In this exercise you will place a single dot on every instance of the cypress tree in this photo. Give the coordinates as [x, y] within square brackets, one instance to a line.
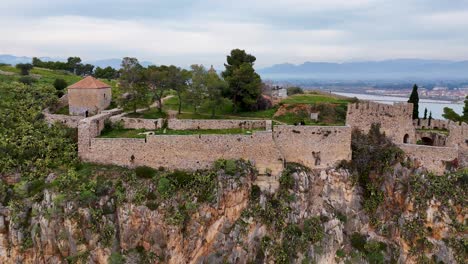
[425, 113]
[414, 99]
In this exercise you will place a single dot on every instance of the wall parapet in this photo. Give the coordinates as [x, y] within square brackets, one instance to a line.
[67, 120]
[395, 120]
[137, 123]
[189, 152]
[314, 146]
[434, 159]
[194, 124]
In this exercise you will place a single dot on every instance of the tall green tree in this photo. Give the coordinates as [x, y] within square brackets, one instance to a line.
[178, 80]
[214, 91]
[106, 73]
[430, 118]
[425, 113]
[450, 114]
[414, 99]
[197, 88]
[157, 78]
[132, 84]
[244, 84]
[24, 68]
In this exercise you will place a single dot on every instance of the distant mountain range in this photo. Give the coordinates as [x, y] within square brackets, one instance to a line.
[114, 63]
[399, 69]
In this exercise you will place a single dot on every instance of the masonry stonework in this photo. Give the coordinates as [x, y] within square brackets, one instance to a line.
[435, 159]
[314, 146]
[68, 121]
[395, 120]
[189, 152]
[194, 124]
[92, 101]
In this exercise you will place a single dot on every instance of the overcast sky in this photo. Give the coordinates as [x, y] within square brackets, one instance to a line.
[184, 32]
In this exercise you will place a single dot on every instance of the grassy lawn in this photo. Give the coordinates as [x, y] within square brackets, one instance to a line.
[46, 76]
[152, 113]
[135, 133]
[312, 98]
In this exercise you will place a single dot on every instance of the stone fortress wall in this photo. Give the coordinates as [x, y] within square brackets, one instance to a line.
[312, 146]
[319, 147]
[396, 121]
[189, 124]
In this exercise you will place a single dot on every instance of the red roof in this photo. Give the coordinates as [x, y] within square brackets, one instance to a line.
[89, 83]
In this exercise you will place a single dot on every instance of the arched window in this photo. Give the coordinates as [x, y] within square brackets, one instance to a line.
[406, 139]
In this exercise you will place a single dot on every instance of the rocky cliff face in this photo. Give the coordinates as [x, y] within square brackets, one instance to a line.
[223, 217]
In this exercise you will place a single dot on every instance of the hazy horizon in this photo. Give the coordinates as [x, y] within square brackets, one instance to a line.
[186, 32]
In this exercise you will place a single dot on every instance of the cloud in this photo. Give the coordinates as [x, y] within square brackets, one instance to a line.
[185, 32]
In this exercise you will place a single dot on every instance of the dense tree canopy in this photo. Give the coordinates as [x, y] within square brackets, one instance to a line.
[244, 84]
[450, 114]
[28, 145]
[157, 79]
[106, 73]
[132, 83]
[24, 68]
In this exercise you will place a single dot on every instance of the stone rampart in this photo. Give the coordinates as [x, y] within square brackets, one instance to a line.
[194, 124]
[69, 121]
[189, 152]
[89, 128]
[395, 120]
[458, 136]
[314, 146]
[137, 123]
[435, 124]
[434, 159]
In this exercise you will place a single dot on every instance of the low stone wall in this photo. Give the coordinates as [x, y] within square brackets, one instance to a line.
[188, 152]
[314, 146]
[89, 128]
[69, 121]
[193, 124]
[433, 159]
[137, 123]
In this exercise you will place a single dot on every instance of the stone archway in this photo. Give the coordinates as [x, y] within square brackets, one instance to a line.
[427, 141]
[406, 139]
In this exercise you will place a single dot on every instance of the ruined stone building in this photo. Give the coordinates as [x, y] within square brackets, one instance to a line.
[88, 97]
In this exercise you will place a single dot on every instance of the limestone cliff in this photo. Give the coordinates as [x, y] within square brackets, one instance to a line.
[221, 216]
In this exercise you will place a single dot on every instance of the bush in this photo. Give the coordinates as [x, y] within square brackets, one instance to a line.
[358, 241]
[313, 230]
[165, 187]
[145, 172]
[116, 258]
[180, 178]
[60, 84]
[27, 80]
[255, 193]
[229, 166]
[294, 90]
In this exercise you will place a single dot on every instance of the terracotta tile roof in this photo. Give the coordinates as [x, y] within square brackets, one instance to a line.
[89, 83]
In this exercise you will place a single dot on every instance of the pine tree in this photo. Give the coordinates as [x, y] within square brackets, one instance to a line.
[425, 113]
[414, 99]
